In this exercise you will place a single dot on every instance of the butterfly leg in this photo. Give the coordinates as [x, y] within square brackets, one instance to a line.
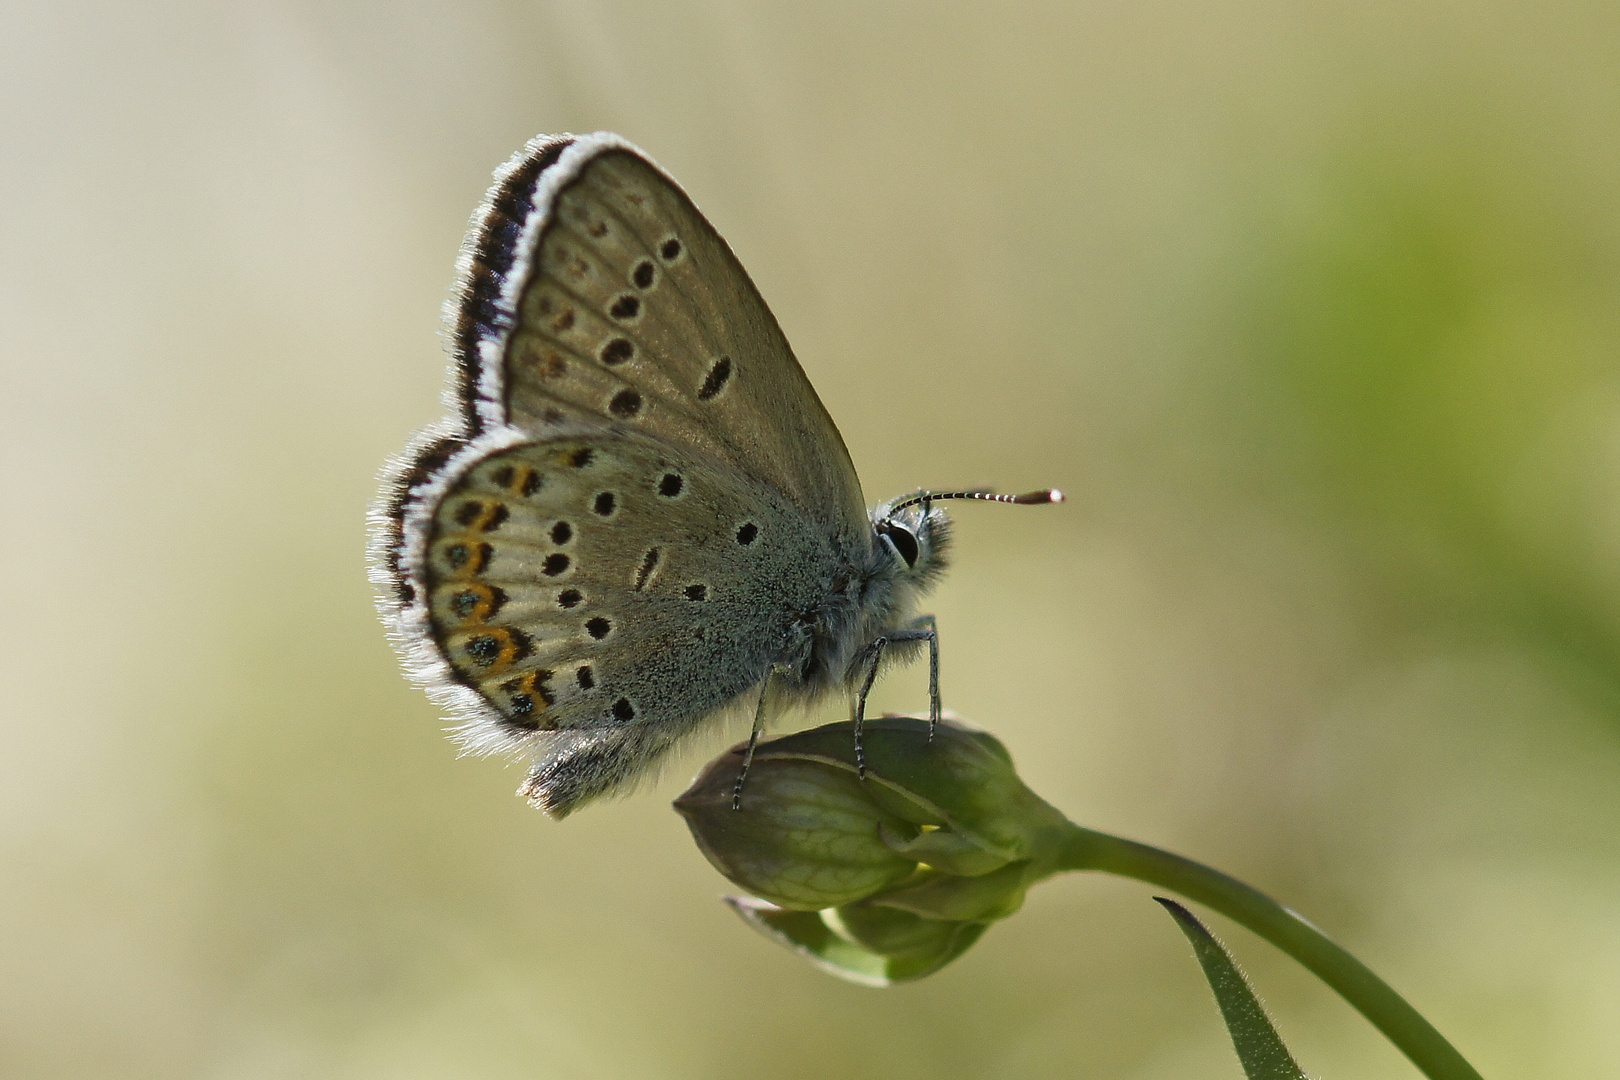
[753, 736]
[923, 629]
[873, 655]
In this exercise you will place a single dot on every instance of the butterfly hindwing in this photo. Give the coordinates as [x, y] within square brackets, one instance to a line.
[594, 584]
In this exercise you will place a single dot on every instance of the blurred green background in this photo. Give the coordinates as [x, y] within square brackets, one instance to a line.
[1311, 308]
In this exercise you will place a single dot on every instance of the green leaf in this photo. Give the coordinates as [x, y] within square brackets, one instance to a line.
[1259, 1047]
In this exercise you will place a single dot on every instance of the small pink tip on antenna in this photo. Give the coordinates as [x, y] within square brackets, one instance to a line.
[1036, 498]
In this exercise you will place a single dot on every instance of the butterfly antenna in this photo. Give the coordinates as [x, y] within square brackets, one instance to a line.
[1028, 498]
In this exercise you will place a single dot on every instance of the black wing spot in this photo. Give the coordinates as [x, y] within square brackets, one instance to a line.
[625, 404]
[697, 592]
[670, 250]
[555, 564]
[484, 649]
[625, 307]
[584, 676]
[598, 627]
[717, 378]
[569, 598]
[562, 532]
[747, 534]
[503, 476]
[531, 482]
[648, 564]
[617, 351]
[623, 711]
[671, 485]
[642, 275]
[581, 457]
[605, 503]
[522, 644]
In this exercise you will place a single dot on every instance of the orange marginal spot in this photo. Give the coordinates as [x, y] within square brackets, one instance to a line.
[481, 515]
[493, 649]
[571, 454]
[518, 479]
[466, 558]
[528, 698]
[473, 602]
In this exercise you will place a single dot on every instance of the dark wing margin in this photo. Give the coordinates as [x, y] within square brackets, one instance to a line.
[428, 453]
[480, 309]
[475, 313]
[479, 315]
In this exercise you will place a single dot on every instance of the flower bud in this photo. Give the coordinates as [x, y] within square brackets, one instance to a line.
[881, 878]
[807, 837]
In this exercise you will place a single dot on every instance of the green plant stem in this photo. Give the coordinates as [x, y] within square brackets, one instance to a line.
[1085, 849]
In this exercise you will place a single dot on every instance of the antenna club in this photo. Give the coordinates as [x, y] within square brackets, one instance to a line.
[1036, 498]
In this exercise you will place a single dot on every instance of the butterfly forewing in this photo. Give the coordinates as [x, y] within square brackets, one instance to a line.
[636, 312]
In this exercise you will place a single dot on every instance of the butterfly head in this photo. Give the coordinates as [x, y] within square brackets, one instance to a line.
[915, 532]
[915, 536]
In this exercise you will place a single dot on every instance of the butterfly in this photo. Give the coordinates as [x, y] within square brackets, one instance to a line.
[638, 513]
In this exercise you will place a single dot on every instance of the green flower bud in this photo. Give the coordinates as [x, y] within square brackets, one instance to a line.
[883, 878]
[807, 837]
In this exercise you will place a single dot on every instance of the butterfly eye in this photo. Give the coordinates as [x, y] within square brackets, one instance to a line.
[902, 540]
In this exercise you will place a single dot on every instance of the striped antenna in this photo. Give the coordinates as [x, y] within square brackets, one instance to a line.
[1028, 498]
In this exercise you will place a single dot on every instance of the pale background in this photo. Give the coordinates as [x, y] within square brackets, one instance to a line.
[1311, 307]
